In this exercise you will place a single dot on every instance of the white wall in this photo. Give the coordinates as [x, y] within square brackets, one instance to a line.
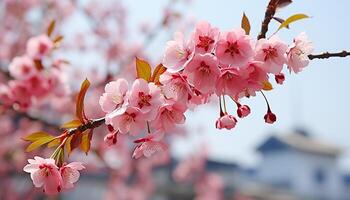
[299, 168]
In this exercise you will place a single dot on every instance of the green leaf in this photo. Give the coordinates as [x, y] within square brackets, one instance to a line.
[36, 136]
[79, 111]
[159, 70]
[51, 28]
[292, 19]
[245, 24]
[39, 143]
[143, 69]
[71, 124]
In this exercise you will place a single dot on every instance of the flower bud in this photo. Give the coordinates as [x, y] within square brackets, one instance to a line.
[243, 111]
[279, 78]
[270, 117]
[227, 121]
[111, 139]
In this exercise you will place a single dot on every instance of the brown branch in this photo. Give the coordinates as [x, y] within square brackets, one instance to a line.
[326, 55]
[269, 13]
[91, 124]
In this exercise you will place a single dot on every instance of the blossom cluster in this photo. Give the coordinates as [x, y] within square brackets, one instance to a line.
[31, 81]
[227, 64]
[46, 174]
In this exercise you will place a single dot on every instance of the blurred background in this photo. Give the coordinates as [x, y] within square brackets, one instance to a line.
[304, 155]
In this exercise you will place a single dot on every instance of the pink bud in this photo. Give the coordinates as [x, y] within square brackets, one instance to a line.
[227, 121]
[270, 117]
[279, 78]
[243, 111]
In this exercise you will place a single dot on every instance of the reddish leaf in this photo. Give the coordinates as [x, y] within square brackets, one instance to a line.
[245, 24]
[51, 28]
[76, 141]
[38, 65]
[58, 40]
[283, 3]
[143, 69]
[159, 70]
[80, 101]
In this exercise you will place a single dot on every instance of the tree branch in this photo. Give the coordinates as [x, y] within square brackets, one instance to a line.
[91, 124]
[326, 55]
[269, 13]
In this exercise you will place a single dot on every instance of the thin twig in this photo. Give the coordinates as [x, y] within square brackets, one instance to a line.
[326, 55]
[269, 13]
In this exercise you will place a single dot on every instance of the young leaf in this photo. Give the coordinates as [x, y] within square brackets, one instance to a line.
[159, 70]
[79, 111]
[51, 28]
[267, 86]
[58, 40]
[292, 19]
[36, 136]
[245, 24]
[72, 124]
[68, 145]
[86, 141]
[280, 20]
[54, 143]
[39, 143]
[143, 69]
[76, 141]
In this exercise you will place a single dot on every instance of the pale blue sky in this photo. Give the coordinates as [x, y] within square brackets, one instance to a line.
[317, 98]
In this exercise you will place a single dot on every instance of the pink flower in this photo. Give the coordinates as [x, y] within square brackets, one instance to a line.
[205, 37]
[70, 174]
[38, 85]
[177, 53]
[272, 53]
[202, 72]
[234, 47]
[254, 76]
[270, 117]
[176, 87]
[44, 173]
[127, 120]
[226, 121]
[146, 97]
[22, 67]
[20, 94]
[114, 95]
[279, 78]
[298, 52]
[6, 97]
[243, 111]
[111, 138]
[230, 82]
[149, 145]
[38, 47]
[169, 115]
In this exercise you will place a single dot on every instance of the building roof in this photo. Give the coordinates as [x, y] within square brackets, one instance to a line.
[299, 141]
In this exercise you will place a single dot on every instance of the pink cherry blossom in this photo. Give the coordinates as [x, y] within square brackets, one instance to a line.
[22, 67]
[298, 52]
[243, 111]
[127, 120]
[44, 173]
[205, 37]
[38, 85]
[169, 115]
[202, 72]
[20, 94]
[146, 97]
[226, 121]
[149, 145]
[114, 95]
[176, 87]
[230, 82]
[112, 137]
[177, 53]
[38, 47]
[70, 174]
[272, 53]
[254, 76]
[6, 97]
[234, 48]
